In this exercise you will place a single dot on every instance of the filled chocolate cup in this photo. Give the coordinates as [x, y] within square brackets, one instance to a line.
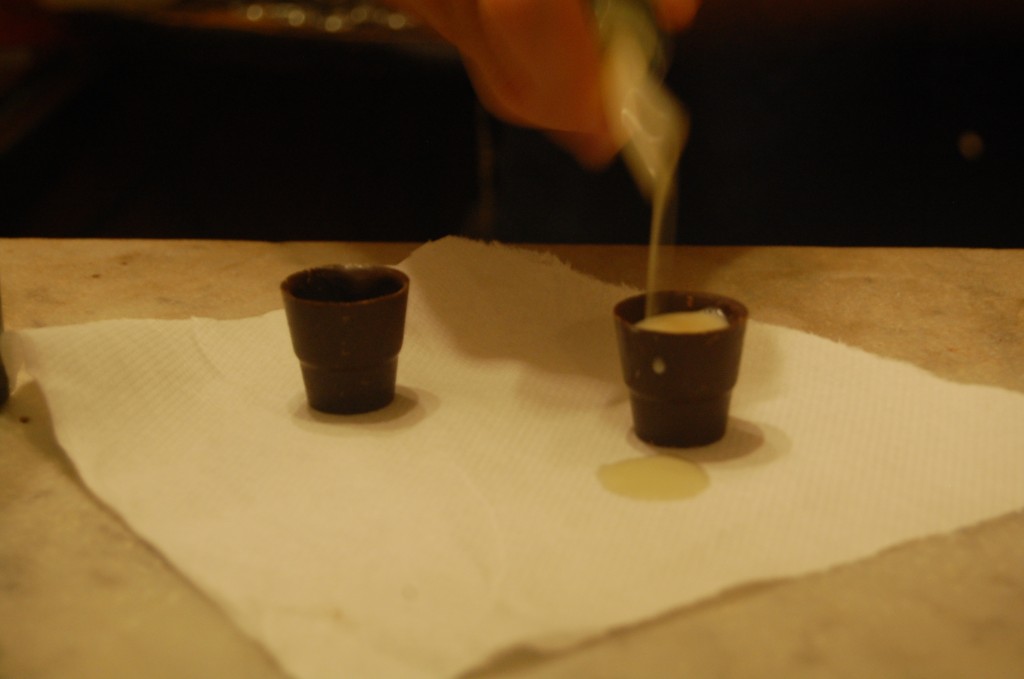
[680, 383]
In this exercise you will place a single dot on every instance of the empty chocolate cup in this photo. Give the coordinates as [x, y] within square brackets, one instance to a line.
[347, 323]
[680, 383]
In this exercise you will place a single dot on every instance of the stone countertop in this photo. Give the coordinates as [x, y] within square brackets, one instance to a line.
[81, 596]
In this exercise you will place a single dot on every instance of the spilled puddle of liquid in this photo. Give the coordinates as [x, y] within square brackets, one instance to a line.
[656, 477]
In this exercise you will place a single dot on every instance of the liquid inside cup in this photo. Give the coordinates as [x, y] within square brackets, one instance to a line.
[708, 319]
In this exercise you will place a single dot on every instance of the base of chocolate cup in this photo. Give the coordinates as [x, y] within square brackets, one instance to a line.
[350, 392]
[680, 424]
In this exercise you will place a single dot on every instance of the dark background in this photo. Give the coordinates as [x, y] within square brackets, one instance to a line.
[840, 125]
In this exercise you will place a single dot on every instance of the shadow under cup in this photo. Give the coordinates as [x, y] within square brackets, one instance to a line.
[680, 383]
[347, 323]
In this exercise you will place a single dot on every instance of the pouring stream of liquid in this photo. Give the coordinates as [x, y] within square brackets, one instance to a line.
[663, 232]
[650, 123]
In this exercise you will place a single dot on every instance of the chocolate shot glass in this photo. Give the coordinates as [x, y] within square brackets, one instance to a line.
[347, 323]
[680, 378]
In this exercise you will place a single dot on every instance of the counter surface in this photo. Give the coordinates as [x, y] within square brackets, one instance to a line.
[82, 596]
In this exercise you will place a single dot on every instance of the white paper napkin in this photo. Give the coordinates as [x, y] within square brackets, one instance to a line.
[468, 517]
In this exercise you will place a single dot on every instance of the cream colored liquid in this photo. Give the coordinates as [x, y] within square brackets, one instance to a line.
[663, 228]
[674, 130]
[682, 322]
[651, 124]
[659, 208]
[658, 477]
[653, 128]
